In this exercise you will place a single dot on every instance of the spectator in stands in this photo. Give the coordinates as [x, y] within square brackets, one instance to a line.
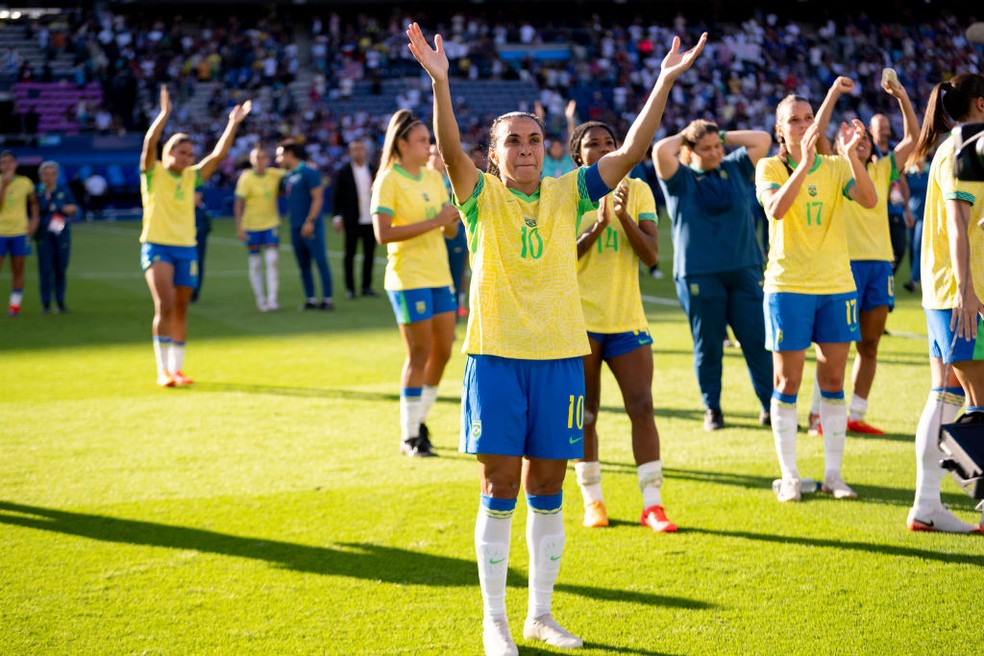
[305, 197]
[53, 236]
[350, 200]
[258, 225]
[168, 255]
[717, 264]
[16, 200]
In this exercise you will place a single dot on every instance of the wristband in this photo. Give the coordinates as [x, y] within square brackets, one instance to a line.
[721, 134]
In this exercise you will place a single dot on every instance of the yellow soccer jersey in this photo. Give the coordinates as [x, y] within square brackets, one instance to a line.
[13, 214]
[421, 262]
[867, 230]
[938, 280]
[169, 205]
[259, 195]
[808, 247]
[525, 302]
[608, 274]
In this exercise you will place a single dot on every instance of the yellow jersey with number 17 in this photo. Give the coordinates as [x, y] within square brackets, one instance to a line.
[939, 282]
[524, 296]
[868, 237]
[808, 246]
[420, 262]
[169, 205]
[259, 195]
[13, 212]
[608, 274]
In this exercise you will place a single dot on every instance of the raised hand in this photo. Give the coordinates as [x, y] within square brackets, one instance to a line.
[165, 101]
[808, 144]
[239, 112]
[570, 109]
[434, 60]
[676, 63]
[842, 85]
[851, 136]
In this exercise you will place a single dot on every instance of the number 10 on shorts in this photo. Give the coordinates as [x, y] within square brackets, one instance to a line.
[575, 412]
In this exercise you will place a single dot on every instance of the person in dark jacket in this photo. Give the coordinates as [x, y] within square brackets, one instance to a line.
[353, 189]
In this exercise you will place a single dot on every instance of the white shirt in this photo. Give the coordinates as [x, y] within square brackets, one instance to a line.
[363, 185]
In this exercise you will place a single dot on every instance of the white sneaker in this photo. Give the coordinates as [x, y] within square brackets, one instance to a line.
[272, 306]
[789, 490]
[262, 307]
[938, 519]
[546, 629]
[496, 638]
[837, 487]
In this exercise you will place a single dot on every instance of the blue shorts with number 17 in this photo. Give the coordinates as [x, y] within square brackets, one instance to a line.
[513, 407]
[793, 321]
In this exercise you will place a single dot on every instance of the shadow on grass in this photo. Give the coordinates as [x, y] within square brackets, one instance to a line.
[372, 562]
[886, 549]
[528, 650]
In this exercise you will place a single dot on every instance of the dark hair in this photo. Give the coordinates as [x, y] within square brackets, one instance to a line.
[574, 144]
[949, 103]
[296, 149]
[8, 153]
[492, 167]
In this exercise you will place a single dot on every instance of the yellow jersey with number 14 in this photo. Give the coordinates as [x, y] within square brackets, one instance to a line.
[608, 274]
[169, 205]
[939, 283]
[808, 246]
[524, 297]
[420, 262]
[259, 195]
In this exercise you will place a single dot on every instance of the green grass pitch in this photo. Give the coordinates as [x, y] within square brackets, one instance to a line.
[266, 509]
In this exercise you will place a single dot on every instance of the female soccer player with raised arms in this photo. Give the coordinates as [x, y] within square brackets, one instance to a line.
[809, 290]
[523, 396]
[952, 261]
[609, 250]
[168, 256]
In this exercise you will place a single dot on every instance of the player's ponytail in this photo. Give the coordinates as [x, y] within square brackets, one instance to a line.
[949, 103]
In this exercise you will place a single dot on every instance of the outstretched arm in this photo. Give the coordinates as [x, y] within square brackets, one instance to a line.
[615, 165]
[148, 155]
[461, 170]
[840, 86]
[910, 123]
[211, 162]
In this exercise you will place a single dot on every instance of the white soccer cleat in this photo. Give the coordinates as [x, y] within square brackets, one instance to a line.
[545, 629]
[838, 488]
[938, 519]
[496, 638]
[790, 489]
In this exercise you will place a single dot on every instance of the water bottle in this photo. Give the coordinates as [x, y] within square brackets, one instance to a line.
[807, 486]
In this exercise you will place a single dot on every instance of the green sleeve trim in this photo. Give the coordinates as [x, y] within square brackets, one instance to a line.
[582, 184]
[149, 177]
[649, 216]
[469, 212]
[961, 195]
[381, 210]
[199, 182]
[895, 176]
[847, 189]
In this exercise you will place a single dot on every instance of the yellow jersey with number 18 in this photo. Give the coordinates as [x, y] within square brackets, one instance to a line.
[524, 297]
[13, 212]
[259, 195]
[939, 283]
[808, 246]
[868, 237]
[169, 205]
[420, 262]
[608, 274]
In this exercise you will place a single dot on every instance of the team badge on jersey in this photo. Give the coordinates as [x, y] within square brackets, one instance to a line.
[426, 197]
[530, 222]
[812, 189]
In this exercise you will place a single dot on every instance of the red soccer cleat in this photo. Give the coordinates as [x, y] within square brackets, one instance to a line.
[180, 380]
[858, 426]
[655, 518]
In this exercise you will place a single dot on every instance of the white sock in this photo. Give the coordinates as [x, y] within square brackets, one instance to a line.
[650, 482]
[858, 408]
[16, 296]
[256, 277]
[545, 541]
[161, 347]
[784, 433]
[428, 395]
[833, 418]
[492, 529]
[410, 414]
[815, 403]
[272, 257]
[589, 480]
[941, 408]
[176, 357]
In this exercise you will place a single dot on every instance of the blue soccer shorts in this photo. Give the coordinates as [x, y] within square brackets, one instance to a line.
[413, 305]
[184, 259]
[793, 321]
